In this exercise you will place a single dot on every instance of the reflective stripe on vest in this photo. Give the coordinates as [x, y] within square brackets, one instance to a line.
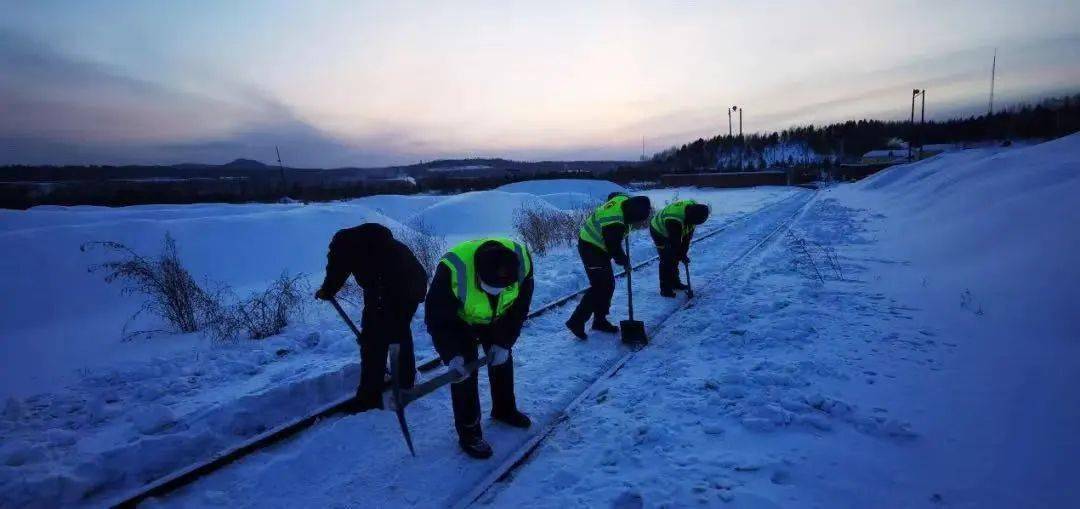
[608, 213]
[675, 212]
[464, 283]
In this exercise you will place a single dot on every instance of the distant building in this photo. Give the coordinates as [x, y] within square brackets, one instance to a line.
[884, 156]
[900, 155]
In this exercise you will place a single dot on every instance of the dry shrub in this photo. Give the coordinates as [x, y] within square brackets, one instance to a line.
[542, 228]
[266, 313]
[423, 241]
[169, 290]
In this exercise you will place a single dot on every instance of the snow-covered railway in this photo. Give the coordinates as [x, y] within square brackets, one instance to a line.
[192, 473]
[554, 369]
[521, 455]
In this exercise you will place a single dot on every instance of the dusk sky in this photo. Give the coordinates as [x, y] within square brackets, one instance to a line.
[370, 83]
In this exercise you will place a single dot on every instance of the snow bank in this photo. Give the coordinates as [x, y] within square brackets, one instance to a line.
[998, 223]
[479, 212]
[595, 189]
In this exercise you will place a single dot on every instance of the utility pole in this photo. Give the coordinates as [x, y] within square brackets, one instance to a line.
[729, 122]
[922, 125]
[993, 72]
[742, 142]
[911, 123]
[642, 148]
[281, 168]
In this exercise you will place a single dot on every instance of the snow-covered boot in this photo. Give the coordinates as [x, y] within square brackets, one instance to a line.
[475, 446]
[577, 328]
[514, 418]
[602, 324]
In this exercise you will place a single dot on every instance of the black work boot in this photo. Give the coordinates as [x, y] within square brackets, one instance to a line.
[577, 327]
[679, 285]
[476, 447]
[472, 442]
[514, 418]
[667, 292]
[601, 323]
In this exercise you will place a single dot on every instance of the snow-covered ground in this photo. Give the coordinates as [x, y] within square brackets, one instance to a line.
[86, 415]
[939, 370]
[906, 341]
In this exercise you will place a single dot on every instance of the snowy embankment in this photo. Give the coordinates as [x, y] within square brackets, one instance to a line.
[937, 367]
[86, 415]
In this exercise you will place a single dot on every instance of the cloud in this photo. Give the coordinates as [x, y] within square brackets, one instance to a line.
[57, 109]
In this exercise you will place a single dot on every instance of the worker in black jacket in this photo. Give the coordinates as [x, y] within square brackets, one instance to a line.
[480, 294]
[394, 283]
[672, 229]
[600, 240]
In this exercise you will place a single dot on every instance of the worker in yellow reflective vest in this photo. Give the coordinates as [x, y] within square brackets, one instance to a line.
[480, 294]
[672, 229]
[600, 241]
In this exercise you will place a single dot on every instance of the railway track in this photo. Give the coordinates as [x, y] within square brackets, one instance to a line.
[522, 454]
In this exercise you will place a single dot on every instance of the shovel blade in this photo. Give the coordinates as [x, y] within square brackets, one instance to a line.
[633, 332]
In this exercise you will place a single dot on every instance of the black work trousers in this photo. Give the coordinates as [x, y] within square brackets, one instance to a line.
[597, 299]
[383, 325]
[669, 262]
[465, 395]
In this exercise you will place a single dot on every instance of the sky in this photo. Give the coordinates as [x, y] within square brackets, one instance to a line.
[356, 83]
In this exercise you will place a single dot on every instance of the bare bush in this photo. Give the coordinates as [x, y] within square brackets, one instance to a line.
[171, 293]
[351, 293]
[424, 242]
[266, 313]
[261, 314]
[169, 290]
[542, 228]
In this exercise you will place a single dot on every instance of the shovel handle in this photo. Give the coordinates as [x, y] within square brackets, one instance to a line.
[629, 276]
[344, 316]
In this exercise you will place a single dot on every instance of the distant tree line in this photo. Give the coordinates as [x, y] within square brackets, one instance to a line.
[812, 146]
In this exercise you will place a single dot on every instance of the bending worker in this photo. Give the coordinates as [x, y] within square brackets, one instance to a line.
[481, 293]
[393, 282]
[672, 229]
[600, 241]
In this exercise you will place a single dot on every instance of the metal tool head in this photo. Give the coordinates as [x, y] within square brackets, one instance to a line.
[633, 332]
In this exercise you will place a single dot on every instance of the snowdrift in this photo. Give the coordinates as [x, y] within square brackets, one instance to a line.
[999, 223]
[594, 189]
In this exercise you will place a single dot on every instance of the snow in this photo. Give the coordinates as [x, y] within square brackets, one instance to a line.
[140, 408]
[909, 340]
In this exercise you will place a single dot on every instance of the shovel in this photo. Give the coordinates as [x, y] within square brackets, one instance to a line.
[402, 397]
[689, 289]
[633, 331]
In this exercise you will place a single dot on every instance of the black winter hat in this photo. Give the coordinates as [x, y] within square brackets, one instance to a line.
[373, 233]
[496, 265]
[697, 213]
[636, 209]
